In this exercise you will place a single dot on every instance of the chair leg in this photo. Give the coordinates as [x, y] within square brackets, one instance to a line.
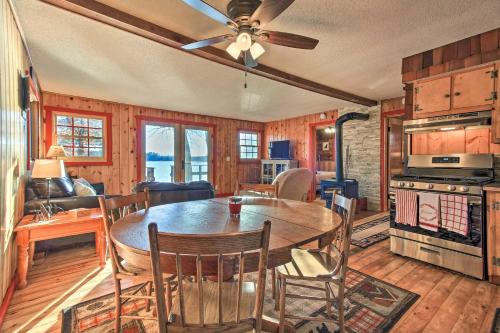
[277, 282]
[328, 303]
[282, 304]
[118, 306]
[149, 288]
[340, 302]
[168, 296]
[273, 285]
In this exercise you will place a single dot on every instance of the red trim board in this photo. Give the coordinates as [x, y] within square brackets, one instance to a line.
[6, 300]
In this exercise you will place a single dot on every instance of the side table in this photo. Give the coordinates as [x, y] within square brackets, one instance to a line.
[63, 224]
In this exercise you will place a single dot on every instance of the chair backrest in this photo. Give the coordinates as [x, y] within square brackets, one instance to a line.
[346, 209]
[294, 184]
[115, 208]
[234, 246]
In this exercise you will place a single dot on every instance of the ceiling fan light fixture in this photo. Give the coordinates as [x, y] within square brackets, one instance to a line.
[234, 50]
[256, 50]
[244, 41]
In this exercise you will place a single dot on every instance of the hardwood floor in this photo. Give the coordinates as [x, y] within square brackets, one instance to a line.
[449, 302]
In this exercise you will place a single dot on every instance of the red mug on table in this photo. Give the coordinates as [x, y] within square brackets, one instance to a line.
[235, 205]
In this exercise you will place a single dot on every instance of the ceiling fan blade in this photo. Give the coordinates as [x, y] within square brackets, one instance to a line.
[269, 10]
[210, 11]
[206, 42]
[288, 39]
[249, 60]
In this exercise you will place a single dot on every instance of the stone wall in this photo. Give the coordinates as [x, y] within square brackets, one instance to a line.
[363, 140]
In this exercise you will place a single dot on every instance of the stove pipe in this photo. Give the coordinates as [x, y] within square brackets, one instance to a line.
[338, 141]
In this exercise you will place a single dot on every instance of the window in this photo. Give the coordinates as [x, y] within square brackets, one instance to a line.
[249, 145]
[84, 136]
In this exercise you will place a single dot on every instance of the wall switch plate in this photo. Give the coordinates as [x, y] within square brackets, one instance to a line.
[228, 158]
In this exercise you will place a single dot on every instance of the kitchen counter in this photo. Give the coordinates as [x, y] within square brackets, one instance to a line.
[494, 187]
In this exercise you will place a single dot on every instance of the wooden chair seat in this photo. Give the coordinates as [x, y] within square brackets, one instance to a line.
[310, 265]
[229, 290]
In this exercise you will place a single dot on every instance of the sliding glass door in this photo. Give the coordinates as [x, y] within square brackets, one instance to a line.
[175, 153]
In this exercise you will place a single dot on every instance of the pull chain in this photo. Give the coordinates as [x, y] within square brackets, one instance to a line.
[246, 73]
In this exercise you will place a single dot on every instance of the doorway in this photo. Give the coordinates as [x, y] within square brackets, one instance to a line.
[392, 152]
[172, 152]
[394, 147]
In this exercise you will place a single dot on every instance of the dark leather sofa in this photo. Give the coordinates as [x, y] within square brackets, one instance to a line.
[62, 194]
[164, 193]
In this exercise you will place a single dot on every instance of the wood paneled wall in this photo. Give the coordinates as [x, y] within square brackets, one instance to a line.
[13, 62]
[297, 131]
[475, 50]
[120, 177]
[472, 141]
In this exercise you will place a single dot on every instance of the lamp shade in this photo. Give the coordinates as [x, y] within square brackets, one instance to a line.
[48, 169]
[56, 151]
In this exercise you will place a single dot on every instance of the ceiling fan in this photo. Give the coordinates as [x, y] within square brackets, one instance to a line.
[247, 18]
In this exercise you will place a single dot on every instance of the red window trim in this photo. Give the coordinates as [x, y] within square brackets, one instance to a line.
[49, 127]
[140, 120]
[259, 146]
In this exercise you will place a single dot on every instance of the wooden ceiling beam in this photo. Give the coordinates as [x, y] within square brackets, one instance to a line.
[124, 21]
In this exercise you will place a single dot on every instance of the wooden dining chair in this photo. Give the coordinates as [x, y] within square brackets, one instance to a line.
[112, 210]
[327, 266]
[264, 190]
[209, 306]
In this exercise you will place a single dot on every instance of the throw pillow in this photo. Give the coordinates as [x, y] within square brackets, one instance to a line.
[82, 190]
[82, 181]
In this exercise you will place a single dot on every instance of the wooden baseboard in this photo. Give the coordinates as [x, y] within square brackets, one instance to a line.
[6, 300]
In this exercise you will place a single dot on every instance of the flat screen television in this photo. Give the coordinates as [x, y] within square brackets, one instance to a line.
[280, 150]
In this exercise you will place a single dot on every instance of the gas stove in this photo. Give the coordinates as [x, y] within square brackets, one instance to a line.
[459, 174]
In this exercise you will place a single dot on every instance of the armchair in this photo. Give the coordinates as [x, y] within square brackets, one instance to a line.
[293, 184]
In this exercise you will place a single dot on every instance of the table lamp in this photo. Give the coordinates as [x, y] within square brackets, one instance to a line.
[48, 169]
[56, 151]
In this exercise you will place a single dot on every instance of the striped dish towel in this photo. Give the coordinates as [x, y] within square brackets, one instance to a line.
[454, 213]
[428, 211]
[406, 207]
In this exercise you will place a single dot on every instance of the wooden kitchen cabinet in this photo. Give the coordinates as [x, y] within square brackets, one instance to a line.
[495, 122]
[432, 96]
[493, 234]
[462, 91]
[473, 88]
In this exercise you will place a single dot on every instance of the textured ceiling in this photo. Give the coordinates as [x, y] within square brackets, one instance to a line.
[360, 50]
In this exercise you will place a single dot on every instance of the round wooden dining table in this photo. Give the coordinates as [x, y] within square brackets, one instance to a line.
[293, 223]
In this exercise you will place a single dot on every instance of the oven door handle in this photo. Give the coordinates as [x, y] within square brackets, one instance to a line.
[430, 250]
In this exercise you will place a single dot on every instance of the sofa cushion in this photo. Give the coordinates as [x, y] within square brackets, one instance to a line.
[83, 190]
[59, 188]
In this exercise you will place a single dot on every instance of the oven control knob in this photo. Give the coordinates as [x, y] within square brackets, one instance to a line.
[452, 187]
[402, 184]
[464, 189]
[430, 186]
[411, 184]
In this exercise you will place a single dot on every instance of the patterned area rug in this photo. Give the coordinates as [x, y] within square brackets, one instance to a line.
[371, 306]
[372, 232]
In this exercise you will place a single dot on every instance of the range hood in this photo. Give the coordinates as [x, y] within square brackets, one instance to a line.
[447, 123]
